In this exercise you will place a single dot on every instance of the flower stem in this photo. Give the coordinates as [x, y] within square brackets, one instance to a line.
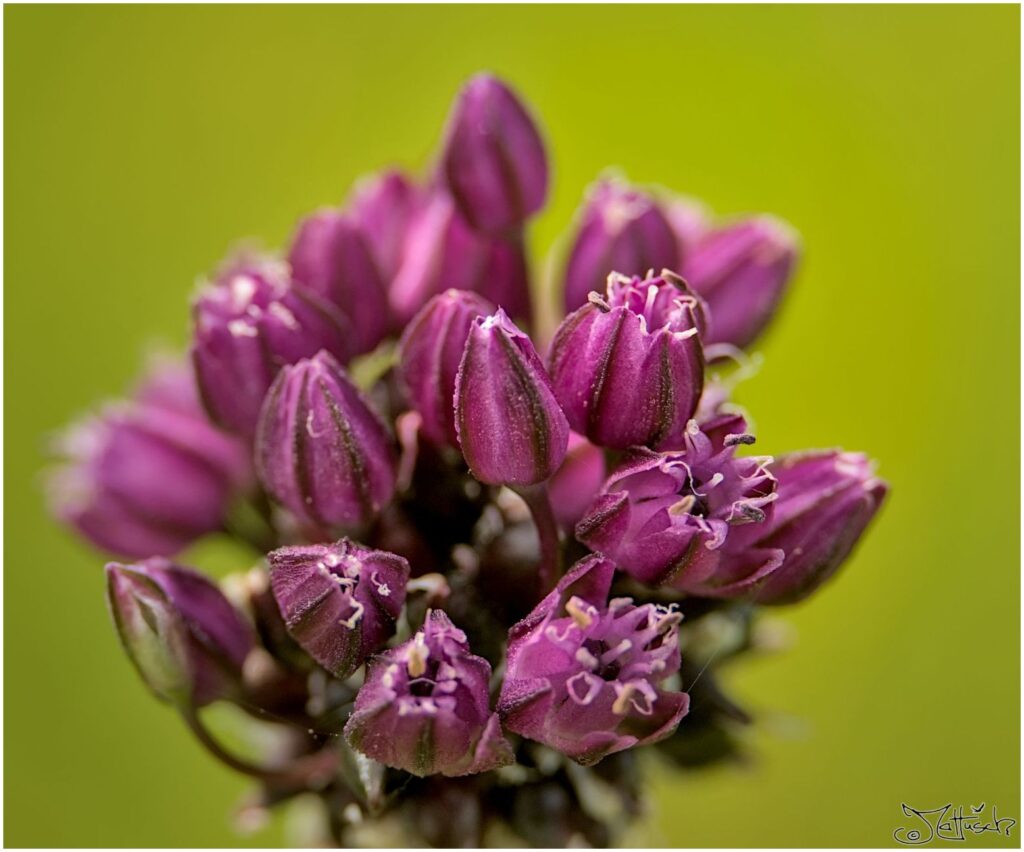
[312, 770]
[536, 497]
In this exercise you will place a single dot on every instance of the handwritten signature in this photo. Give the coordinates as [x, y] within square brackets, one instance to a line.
[949, 823]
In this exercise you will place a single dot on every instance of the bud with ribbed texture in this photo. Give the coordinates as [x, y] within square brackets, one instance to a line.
[510, 427]
[185, 639]
[249, 323]
[429, 356]
[689, 519]
[442, 252]
[584, 673]
[494, 161]
[339, 601]
[826, 500]
[425, 707]
[628, 369]
[330, 256]
[151, 475]
[742, 271]
[383, 205]
[621, 230]
[322, 452]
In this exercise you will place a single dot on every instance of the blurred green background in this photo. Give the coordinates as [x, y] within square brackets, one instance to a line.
[141, 142]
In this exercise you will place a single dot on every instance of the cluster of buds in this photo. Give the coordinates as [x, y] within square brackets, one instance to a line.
[503, 565]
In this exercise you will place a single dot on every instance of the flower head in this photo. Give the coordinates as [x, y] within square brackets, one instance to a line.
[584, 673]
[425, 708]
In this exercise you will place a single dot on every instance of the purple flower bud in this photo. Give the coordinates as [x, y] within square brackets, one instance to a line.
[576, 483]
[429, 356]
[827, 498]
[339, 601]
[494, 161]
[321, 451]
[690, 222]
[742, 271]
[442, 252]
[621, 230]
[583, 672]
[248, 324]
[383, 205]
[184, 637]
[330, 257]
[510, 427]
[629, 371]
[688, 519]
[425, 708]
[151, 475]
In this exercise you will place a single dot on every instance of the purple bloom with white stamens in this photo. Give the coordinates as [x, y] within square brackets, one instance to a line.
[584, 673]
[494, 162]
[622, 229]
[339, 601]
[250, 322]
[827, 498]
[331, 257]
[321, 450]
[689, 519]
[429, 356]
[425, 707]
[628, 369]
[510, 427]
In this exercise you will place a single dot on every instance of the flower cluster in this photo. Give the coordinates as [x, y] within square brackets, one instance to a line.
[485, 552]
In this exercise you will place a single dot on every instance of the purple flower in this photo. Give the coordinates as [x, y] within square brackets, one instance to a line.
[827, 498]
[339, 601]
[330, 257]
[151, 475]
[690, 222]
[425, 708]
[248, 324]
[583, 672]
[493, 160]
[321, 451]
[621, 230]
[510, 427]
[383, 206]
[576, 483]
[442, 252]
[429, 356]
[689, 519]
[742, 272]
[185, 639]
[629, 370]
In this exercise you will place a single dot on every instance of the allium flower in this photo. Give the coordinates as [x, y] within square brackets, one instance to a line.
[576, 483]
[249, 323]
[690, 222]
[151, 475]
[383, 206]
[321, 450]
[688, 519]
[429, 356]
[339, 601]
[493, 160]
[584, 673]
[621, 230]
[742, 271]
[331, 257]
[510, 428]
[827, 498]
[442, 252]
[186, 640]
[628, 370]
[425, 707]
